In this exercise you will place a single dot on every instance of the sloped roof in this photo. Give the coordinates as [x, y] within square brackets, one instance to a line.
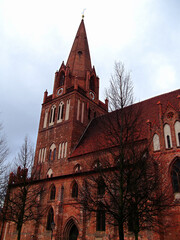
[93, 138]
[79, 59]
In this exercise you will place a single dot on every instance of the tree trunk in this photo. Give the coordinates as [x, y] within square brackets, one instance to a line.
[2, 227]
[121, 231]
[19, 233]
[136, 236]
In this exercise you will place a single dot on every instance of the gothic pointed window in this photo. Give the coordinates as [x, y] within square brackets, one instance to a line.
[75, 190]
[67, 109]
[177, 132]
[168, 141]
[60, 112]
[52, 115]
[97, 165]
[50, 173]
[156, 143]
[77, 168]
[92, 83]
[61, 79]
[167, 136]
[45, 118]
[54, 154]
[53, 192]
[133, 217]
[50, 218]
[100, 187]
[100, 219]
[50, 153]
[175, 175]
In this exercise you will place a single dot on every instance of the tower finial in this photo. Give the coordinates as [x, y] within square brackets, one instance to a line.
[83, 13]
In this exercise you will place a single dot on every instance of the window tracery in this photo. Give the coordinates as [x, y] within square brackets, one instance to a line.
[167, 136]
[60, 112]
[75, 190]
[50, 218]
[53, 192]
[156, 143]
[52, 115]
[177, 132]
[175, 175]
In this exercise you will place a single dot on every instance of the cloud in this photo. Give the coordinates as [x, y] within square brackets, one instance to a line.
[37, 35]
[165, 77]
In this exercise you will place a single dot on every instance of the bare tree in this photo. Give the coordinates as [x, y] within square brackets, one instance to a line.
[23, 199]
[126, 185]
[3, 157]
[3, 174]
[120, 92]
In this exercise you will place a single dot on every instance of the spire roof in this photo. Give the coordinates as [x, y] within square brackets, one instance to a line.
[79, 59]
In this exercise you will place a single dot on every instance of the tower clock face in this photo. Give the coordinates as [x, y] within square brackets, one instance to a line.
[91, 95]
[59, 91]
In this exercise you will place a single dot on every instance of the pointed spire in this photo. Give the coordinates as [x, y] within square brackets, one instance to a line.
[79, 59]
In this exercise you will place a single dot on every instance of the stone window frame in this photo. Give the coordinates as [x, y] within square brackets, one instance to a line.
[167, 136]
[61, 107]
[50, 218]
[177, 132]
[156, 142]
[52, 192]
[100, 219]
[52, 115]
[75, 190]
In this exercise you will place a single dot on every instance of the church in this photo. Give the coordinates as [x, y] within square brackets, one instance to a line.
[67, 150]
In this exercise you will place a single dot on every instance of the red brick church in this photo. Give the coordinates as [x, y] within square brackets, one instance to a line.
[67, 151]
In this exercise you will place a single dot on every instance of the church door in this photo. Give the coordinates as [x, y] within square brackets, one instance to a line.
[73, 234]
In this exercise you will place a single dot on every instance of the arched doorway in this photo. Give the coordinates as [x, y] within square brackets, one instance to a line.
[73, 234]
[71, 231]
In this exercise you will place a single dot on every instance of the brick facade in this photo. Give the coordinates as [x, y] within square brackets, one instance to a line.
[67, 146]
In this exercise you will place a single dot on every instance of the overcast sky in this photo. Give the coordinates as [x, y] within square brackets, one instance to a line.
[37, 35]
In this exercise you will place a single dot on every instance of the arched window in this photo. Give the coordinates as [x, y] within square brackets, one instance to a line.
[97, 165]
[78, 109]
[49, 173]
[50, 152]
[61, 79]
[167, 136]
[77, 168]
[67, 109]
[73, 234]
[156, 143]
[60, 112]
[100, 220]
[92, 83]
[62, 150]
[168, 141]
[100, 187]
[54, 154]
[177, 132]
[45, 118]
[52, 115]
[39, 158]
[75, 190]
[133, 217]
[53, 193]
[175, 175]
[50, 218]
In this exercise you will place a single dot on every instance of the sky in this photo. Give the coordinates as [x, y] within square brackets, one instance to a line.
[37, 35]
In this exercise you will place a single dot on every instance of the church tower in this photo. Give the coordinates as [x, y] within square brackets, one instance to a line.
[68, 110]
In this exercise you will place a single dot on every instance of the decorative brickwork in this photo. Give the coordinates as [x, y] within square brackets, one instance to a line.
[68, 147]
